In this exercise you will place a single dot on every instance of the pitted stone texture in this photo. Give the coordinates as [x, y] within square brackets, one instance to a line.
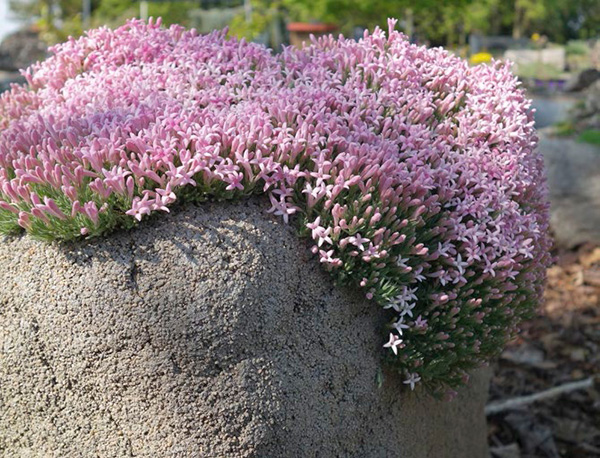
[211, 332]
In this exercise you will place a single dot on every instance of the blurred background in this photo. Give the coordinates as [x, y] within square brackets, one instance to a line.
[555, 47]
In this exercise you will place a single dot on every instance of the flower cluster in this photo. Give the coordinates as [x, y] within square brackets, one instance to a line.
[414, 174]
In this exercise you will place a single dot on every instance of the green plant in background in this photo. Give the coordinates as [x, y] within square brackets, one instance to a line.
[51, 34]
[439, 22]
[577, 48]
[116, 12]
[264, 13]
[538, 70]
[580, 125]
[578, 55]
[252, 24]
[591, 136]
[564, 129]
[59, 19]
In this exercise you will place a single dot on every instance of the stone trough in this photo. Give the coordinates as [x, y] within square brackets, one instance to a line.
[211, 332]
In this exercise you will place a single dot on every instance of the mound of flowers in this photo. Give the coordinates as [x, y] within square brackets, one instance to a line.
[414, 174]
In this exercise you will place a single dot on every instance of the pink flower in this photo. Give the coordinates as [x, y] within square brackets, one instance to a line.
[235, 181]
[420, 173]
[281, 207]
[326, 257]
[358, 241]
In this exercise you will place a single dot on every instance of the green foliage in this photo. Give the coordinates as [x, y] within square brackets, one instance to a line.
[569, 129]
[538, 70]
[577, 48]
[446, 22]
[115, 12]
[54, 27]
[112, 12]
[591, 136]
[348, 14]
[263, 13]
[439, 22]
[564, 129]
[71, 27]
[59, 19]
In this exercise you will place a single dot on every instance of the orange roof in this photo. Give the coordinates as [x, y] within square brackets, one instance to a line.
[311, 27]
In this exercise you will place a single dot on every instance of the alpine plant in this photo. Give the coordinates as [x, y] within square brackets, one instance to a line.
[415, 175]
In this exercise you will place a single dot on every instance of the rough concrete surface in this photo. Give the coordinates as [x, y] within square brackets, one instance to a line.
[573, 171]
[211, 332]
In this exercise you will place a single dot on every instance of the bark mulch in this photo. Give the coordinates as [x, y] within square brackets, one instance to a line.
[560, 345]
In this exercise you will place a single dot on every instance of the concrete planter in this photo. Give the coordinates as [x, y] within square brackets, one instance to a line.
[208, 333]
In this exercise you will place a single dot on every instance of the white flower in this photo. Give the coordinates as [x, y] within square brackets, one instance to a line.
[400, 325]
[412, 380]
[401, 262]
[407, 309]
[393, 343]
[460, 264]
[392, 304]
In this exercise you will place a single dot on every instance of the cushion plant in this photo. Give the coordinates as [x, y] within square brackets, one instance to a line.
[415, 175]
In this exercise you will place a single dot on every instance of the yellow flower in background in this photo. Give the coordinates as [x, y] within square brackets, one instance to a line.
[480, 58]
[535, 37]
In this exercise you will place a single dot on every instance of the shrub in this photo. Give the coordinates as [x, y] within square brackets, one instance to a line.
[577, 48]
[414, 174]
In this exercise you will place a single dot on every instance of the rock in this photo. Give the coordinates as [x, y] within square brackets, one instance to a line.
[573, 171]
[582, 80]
[555, 57]
[506, 451]
[209, 332]
[535, 437]
[21, 49]
[587, 114]
[6, 79]
[552, 109]
[527, 355]
[575, 431]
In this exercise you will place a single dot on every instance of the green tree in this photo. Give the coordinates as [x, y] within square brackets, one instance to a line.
[441, 22]
[439, 18]
[57, 19]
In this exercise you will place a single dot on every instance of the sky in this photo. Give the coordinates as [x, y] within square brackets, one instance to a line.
[7, 25]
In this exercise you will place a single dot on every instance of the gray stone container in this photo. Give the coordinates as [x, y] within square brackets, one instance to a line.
[211, 332]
